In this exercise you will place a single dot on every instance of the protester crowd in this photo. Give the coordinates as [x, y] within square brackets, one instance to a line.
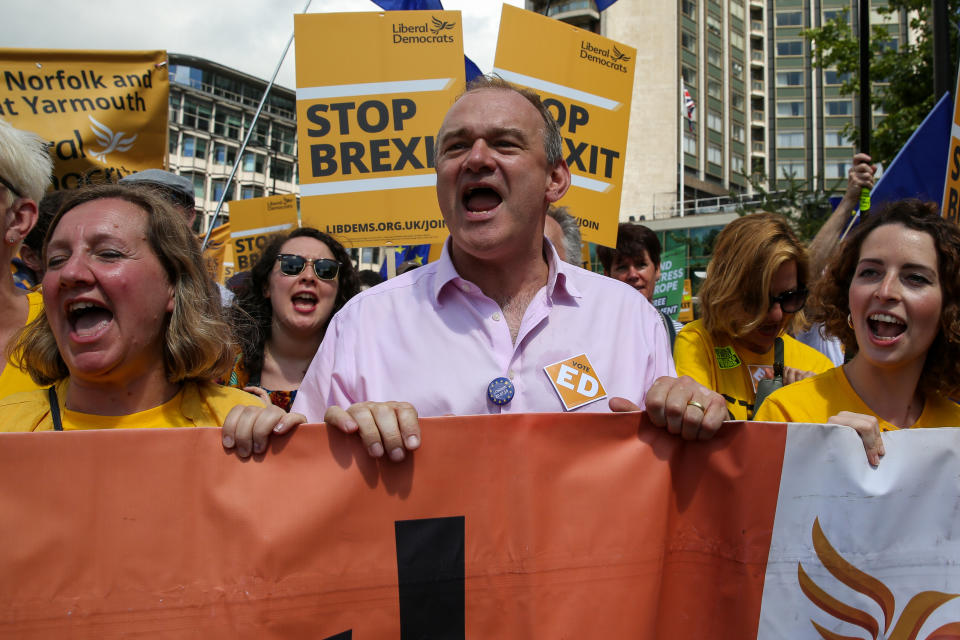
[122, 326]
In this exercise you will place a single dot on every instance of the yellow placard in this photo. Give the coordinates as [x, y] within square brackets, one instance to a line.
[586, 81]
[254, 221]
[950, 205]
[575, 381]
[218, 254]
[686, 303]
[372, 90]
[104, 112]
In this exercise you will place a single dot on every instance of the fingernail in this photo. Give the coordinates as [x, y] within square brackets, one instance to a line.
[376, 449]
[413, 442]
[258, 447]
[227, 441]
[396, 454]
[277, 428]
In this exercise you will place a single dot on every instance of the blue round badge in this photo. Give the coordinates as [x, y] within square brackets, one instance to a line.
[500, 391]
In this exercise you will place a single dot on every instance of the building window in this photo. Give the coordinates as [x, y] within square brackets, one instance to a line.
[282, 171]
[714, 154]
[736, 8]
[796, 169]
[713, 24]
[831, 76]
[838, 107]
[227, 123]
[224, 154]
[835, 139]
[736, 163]
[218, 185]
[788, 139]
[736, 40]
[736, 132]
[251, 191]
[689, 144]
[196, 115]
[789, 108]
[789, 78]
[714, 121]
[370, 255]
[714, 89]
[253, 162]
[688, 41]
[789, 18]
[831, 14]
[689, 76]
[837, 169]
[193, 147]
[174, 108]
[199, 182]
[172, 147]
[737, 99]
[737, 69]
[790, 48]
[283, 140]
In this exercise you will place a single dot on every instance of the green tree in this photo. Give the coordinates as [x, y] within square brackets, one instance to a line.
[806, 209]
[901, 77]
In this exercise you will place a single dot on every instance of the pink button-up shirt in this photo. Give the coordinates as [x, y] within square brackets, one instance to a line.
[433, 339]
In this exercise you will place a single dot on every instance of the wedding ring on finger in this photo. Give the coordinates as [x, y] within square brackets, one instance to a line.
[694, 403]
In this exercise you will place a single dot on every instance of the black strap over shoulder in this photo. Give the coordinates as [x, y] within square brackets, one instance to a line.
[778, 359]
[54, 409]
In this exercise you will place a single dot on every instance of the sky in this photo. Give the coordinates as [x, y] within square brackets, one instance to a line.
[248, 35]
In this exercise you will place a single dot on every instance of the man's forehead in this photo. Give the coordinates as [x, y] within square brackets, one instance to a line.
[501, 108]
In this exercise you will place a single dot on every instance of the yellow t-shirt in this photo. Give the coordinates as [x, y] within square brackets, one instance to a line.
[818, 398]
[196, 405]
[718, 365]
[13, 380]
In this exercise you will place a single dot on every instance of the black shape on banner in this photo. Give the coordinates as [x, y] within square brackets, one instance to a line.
[346, 635]
[430, 572]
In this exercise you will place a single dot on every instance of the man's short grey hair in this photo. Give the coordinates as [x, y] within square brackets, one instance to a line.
[24, 161]
[572, 242]
[552, 140]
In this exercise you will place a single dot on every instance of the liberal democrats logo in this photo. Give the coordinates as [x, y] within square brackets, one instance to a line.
[424, 33]
[111, 141]
[611, 58]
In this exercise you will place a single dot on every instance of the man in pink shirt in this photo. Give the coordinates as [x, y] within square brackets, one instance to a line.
[498, 324]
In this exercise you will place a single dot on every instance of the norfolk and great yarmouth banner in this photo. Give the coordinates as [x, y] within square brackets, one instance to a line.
[104, 112]
[614, 529]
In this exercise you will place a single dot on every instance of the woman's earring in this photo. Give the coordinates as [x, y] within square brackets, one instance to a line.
[849, 321]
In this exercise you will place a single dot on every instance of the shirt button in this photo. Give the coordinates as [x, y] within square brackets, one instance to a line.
[465, 287]
[496, 317]
[510, 374]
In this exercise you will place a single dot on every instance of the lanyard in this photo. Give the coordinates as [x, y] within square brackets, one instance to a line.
[54, 409]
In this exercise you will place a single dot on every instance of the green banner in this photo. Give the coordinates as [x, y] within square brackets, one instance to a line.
[669, 290]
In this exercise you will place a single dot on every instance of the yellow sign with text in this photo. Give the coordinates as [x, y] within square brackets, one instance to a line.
[586, 81]
[104, 112]
[366, 124]
[218, 254]
[575, 381]
[254, 221]
[950, 205]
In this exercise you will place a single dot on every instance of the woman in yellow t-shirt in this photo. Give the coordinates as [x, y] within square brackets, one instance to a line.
[892, 296]
[754, 293]
[132, 330]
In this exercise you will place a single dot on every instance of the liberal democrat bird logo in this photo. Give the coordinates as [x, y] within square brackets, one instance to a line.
[441, 25]
[620, 55]
[912, 617]
[111, 141]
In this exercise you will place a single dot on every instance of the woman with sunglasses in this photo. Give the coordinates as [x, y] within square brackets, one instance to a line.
[754, 293]
[301, 279]
[892, 296]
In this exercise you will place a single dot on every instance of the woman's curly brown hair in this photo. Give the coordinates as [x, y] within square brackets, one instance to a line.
[831, 296]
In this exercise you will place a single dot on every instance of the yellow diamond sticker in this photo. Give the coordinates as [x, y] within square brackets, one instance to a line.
[575, 381]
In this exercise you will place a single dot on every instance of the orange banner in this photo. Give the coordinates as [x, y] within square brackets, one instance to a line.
[547, 526]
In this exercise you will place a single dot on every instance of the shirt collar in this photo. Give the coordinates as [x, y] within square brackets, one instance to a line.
[558, 276]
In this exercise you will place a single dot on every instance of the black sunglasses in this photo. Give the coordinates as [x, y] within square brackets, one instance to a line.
[292, 265]
[790, 301]
[9, 186]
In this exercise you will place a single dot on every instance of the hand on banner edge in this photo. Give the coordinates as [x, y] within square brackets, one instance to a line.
[868, 428]
[247, 429]
[384, 427]
[669, 404]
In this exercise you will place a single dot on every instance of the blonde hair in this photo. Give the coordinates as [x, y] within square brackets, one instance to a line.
[196, 337]
[735, 297]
